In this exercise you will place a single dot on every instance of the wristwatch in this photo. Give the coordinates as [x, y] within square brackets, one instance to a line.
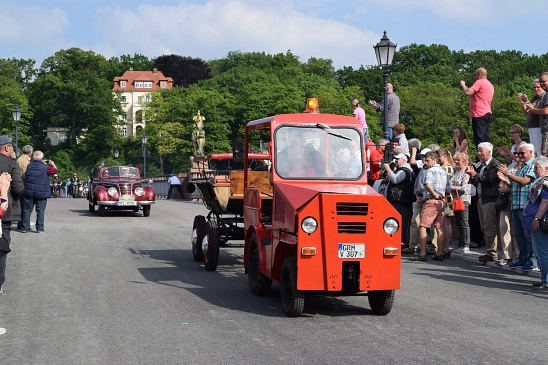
[537, 219]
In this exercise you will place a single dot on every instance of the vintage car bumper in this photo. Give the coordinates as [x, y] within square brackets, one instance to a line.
[125, 204]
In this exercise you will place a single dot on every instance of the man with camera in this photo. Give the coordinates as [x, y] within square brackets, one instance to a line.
[37, 190]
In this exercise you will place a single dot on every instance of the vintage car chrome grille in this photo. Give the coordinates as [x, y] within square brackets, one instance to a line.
[351, 227]
[125, 189]
[352, 208]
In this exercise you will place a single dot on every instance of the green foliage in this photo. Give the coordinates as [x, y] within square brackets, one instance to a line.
[73, 89]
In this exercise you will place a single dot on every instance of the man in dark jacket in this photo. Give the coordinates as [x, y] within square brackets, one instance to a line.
[13, 212]
[484, 176]
[37, 190]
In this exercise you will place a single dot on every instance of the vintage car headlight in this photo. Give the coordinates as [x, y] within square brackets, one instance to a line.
[139, 191]
[112, 191]
[309, 225]
[391, 226]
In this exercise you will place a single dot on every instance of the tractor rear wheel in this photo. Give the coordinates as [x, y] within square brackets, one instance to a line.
[292, 299]
[211, 253]
[259, 284]
[381, 301]
[198, 232]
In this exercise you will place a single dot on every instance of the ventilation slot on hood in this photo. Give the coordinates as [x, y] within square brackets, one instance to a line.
[352, 208]
[351, 227]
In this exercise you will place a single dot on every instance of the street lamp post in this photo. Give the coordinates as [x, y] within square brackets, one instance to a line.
[384, 50]
[16, 117]
[116, 154]
[144, 140]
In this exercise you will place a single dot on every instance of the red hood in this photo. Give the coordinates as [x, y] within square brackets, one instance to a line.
[300, 193]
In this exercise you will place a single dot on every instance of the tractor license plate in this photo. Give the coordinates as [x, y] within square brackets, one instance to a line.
[351, 250]
[126, 203]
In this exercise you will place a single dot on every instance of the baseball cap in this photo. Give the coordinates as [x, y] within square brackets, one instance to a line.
[425, 150]
[4, 140]
[401, 155]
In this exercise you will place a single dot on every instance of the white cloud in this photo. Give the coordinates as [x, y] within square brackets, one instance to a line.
[216, 27]
[26, 24]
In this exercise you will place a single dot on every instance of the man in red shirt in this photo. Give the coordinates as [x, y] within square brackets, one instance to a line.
[375, 165]
[481, 95]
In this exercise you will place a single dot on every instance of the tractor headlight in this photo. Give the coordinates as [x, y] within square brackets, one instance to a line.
[391, 226]
[139, 191]
[309, 225]
[112, 191]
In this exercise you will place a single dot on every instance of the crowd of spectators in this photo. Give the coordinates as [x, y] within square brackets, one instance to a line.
[504, 201]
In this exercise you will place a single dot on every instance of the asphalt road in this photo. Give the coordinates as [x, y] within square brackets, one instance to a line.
[124, 289]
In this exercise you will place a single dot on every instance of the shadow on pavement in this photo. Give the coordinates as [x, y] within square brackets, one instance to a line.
[228, 288]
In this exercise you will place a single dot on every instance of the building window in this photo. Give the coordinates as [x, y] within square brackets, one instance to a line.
[124, 131]
[138, 84]
[139, 116]
[61, 137]
[163, 84]
[139, 100]
[123, 84]
[124, 117]
[147, 84]
[147, 99]
[123, 99]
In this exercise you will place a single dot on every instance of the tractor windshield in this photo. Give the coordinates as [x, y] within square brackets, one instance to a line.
[318, 153]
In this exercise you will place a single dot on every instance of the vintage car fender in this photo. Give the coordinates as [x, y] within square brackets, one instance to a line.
[101, 194]
[149, 194]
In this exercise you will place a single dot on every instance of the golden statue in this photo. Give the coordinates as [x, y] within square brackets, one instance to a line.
[198, 135]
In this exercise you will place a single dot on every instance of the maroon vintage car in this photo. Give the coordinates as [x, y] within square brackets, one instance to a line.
[119, 188]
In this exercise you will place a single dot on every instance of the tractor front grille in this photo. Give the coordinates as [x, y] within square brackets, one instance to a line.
[351, 227]
[352, 209]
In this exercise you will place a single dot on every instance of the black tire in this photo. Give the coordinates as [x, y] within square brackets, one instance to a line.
[198, 232]
[292, 299]
[381, 301]
[259, 284]
[146, 210]
[211, 254]
[91, 207]
[101, 210]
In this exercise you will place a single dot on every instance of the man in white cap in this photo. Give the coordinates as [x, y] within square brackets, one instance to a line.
[174, 183]
[399, 192]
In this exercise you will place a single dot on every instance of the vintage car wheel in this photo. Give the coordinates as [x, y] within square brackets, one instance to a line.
[198, 232]
[292, 299]
[259, 284]
[101, 210]
[146, 210]
[211, 246]
[381, 301]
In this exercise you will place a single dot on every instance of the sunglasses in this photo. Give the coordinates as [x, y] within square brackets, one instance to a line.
[519, 153]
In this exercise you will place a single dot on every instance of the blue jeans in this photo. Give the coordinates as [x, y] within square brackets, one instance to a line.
[30, 203]
[540, 240]
[522, 236]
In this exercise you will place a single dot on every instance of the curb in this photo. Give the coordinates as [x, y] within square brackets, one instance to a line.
[473, 257]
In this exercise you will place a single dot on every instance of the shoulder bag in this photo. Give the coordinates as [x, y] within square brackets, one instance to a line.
[458, 203]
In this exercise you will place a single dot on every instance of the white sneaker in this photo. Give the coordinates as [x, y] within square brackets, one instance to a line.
[503, 262]
[464, 249]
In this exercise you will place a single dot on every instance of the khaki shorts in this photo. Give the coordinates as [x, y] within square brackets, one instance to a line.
[432, 212]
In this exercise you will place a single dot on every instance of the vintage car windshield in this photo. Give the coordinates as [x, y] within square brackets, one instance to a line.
[119, 172]
[318, 152]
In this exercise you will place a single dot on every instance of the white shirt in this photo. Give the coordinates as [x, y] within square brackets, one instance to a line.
[174, 180]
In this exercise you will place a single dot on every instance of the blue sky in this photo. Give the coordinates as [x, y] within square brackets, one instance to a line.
[343, 31]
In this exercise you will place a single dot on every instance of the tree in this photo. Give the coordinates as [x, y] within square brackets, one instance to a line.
[71, 90]
[11, 94]
[119, 65]
[184, 71]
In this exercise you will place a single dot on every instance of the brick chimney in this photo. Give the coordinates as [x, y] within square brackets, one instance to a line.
[155, 71]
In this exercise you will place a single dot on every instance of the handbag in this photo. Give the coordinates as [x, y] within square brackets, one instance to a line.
[458, 203]
[502, 201]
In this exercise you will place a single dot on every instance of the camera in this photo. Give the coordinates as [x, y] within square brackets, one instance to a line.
[47, 161]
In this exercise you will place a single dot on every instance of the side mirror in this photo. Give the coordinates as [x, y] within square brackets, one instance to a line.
[238, 151]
